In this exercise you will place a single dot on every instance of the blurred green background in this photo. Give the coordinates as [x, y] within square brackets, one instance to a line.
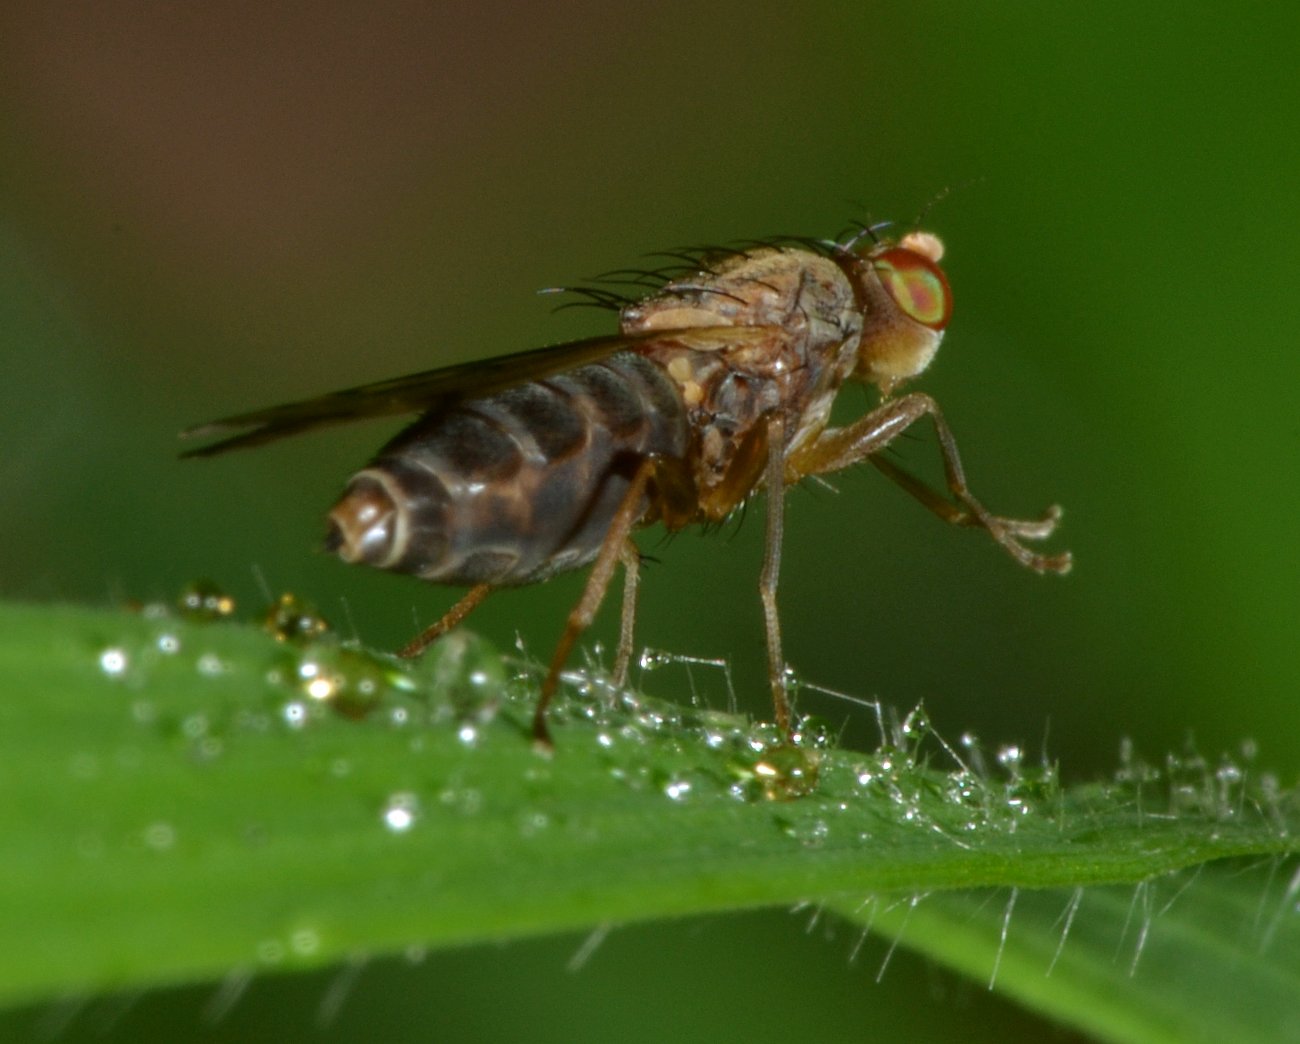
[209, 209]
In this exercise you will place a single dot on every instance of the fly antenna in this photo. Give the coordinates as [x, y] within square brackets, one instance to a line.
[941, 195]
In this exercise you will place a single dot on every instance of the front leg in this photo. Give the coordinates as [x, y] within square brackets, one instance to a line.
[839, 448]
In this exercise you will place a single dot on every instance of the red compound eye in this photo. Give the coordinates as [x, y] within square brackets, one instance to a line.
[916, 284]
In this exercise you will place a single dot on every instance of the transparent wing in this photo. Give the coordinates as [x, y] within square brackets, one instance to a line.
[439, 388]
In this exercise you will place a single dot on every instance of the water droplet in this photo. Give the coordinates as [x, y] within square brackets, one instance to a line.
[304, 942]
[210, 665]
[270, 951]
[204, 601]
[194, 726]
[533, 823]
[1010, 757]
[113, 662]
[814, 732]
[210, 747]
[467, 734]
[1229, 773]
[465, 800]
[160, 836]
[295, 714]
[168, 644]
[810, 832]
[401, 811]
[293, 619]
[677, 789]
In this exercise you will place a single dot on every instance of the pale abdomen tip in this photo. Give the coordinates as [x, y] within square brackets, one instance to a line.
[367, 524]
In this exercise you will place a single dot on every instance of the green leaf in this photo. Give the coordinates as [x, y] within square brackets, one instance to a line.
[1206, 955]
[183, 798]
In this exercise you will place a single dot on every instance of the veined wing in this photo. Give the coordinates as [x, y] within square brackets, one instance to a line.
[441, 387]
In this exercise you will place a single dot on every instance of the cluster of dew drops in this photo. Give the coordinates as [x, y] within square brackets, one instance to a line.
[317, 675]
[311, 677]
[647, 745]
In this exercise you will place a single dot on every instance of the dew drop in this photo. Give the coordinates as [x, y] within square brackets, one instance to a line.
[210, 665]
[202, 600]
[160, 836]
[468, 735]
[270, 951]
[304, 942]
[295, 714]
[210, 747]
[168, 644]
[294, 619]
[194, 726]
[677, 789]
[533, 823]
[113, 662]
[810, 832]
[400, 812]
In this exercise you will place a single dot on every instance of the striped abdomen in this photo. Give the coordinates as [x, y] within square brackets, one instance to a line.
[514, 487]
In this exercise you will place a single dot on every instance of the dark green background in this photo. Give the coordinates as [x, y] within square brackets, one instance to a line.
[210, 210]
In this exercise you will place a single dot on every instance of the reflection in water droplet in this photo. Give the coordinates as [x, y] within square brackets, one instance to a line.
[295, 714]
[467, 734]
[113, 662]
[401, 811]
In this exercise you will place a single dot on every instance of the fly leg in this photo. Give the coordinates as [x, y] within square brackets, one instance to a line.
[839, 448]
[614, 548]
[453, 616]
[631, 559]
[767, 581]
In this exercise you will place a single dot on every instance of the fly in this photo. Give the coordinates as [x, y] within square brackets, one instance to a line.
[717, 384]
